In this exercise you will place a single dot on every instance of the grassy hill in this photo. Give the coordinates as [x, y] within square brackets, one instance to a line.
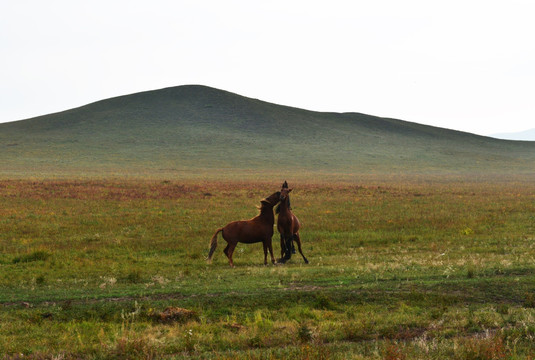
[196, 129]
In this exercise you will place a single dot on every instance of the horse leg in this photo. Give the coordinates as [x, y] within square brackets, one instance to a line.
[265, 251]
[297, 239]
[283, 246]
[285, 249]
[230, 251]
[288, 247]
[270, 247]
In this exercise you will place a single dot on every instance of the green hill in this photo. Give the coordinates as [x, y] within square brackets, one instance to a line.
[196, 129]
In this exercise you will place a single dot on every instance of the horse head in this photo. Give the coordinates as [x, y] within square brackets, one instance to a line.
[271, 200]
[285, 192]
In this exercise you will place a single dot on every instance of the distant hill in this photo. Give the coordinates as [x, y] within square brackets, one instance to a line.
[527, 135]
[197, 129]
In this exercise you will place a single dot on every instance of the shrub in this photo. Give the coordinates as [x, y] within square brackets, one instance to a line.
[393, 352]
[40, 280]
[176, 314]
[485, 349]
[133, 348]
[34, 256]
[134, 277]
[324, 302]
[529, 301]
[304, 333]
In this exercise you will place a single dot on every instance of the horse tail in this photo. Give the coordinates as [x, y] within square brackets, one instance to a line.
[213, 244]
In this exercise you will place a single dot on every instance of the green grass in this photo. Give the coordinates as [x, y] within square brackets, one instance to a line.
[420, 241]
[187, 130]
[412, 269]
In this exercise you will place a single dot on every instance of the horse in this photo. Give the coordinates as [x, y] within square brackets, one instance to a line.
[257, 229]
[288, 225]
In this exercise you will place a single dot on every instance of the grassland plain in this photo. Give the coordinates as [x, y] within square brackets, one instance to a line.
[406, 269]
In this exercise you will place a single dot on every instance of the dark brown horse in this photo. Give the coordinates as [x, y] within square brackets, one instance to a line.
[257, 229]
[288, 226]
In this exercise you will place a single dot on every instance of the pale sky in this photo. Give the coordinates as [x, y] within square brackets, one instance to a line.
[461, 64]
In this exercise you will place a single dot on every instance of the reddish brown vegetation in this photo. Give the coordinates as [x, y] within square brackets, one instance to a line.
[172, 314]
[93, 189]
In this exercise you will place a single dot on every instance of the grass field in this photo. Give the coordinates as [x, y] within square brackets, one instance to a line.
[398, 270]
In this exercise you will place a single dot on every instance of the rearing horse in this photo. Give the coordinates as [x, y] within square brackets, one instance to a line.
[288, 226]
[257, 229]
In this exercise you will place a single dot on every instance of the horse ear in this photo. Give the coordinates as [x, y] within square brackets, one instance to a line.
[285, 185]
[290, 190]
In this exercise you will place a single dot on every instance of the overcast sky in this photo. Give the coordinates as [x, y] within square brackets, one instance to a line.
[460, 64]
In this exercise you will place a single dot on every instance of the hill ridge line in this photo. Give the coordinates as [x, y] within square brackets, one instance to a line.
[197, 128]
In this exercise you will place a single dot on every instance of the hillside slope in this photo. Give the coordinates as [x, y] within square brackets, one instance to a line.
[196, 128]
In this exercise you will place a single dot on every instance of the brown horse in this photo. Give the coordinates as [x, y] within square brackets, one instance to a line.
[257, 229]
[288, 226]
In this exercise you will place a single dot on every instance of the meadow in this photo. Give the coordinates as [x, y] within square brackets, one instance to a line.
[399, 269]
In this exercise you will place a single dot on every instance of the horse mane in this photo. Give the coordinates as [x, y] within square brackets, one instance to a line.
[264, 203]
[278, 208]
[261, 206]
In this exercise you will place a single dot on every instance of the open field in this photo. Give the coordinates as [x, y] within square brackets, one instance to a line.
[398, 270]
